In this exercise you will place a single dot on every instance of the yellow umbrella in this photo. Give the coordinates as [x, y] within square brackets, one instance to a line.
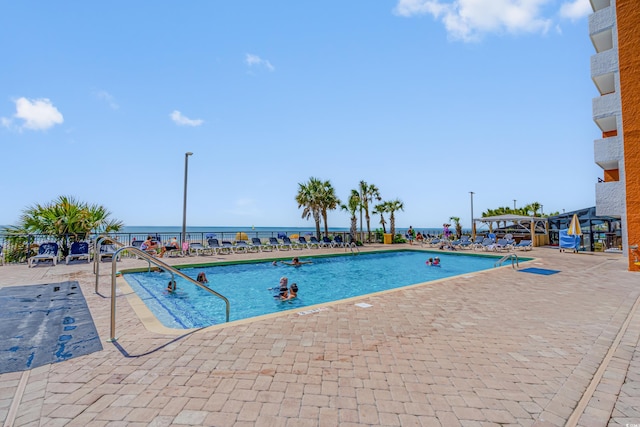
[574, 227]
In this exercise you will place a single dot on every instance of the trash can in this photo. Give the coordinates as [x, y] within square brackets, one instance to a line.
[388, 238]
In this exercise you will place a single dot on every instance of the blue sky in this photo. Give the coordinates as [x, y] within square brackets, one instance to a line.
[426, 99]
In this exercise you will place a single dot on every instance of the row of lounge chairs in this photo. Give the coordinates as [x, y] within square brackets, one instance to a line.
[481, 243]
[81, 250]
[214, 246]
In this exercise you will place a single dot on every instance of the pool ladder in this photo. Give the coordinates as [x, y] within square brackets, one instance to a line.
[507, 257]
[151, 260]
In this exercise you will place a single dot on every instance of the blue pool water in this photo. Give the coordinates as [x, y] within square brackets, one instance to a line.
[326, 279]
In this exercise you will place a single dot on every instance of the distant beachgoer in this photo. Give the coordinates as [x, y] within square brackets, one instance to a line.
[150, 246]
[296, 262]
[202, 278]
[173, 244]
[419, 237]
[410, 235]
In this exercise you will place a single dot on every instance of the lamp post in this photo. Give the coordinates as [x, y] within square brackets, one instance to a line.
[514, 204]
[473, 223]
[184, 204]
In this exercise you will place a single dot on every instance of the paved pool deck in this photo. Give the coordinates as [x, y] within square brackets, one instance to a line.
[495, 348]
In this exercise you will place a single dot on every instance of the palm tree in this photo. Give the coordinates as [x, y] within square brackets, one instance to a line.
[456, 223]
[308, 197]
[381, 209]
[368, 192]
[327, 200]
[352, 207]
[392, 207]
[63, 218]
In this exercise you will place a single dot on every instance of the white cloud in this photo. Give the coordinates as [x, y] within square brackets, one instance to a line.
[105, 96]
[182, 120]
[255, 60]
[469, 20]
[37, 114]
[575, 9]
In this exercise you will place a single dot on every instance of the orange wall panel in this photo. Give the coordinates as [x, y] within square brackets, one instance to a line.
[628, 21]
[611, 175]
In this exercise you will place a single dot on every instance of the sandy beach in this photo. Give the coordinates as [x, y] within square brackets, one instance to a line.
[499, 347]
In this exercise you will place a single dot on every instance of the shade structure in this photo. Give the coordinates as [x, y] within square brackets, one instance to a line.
[574, 226]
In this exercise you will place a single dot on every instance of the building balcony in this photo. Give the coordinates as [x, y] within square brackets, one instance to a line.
[604, 65]
[606, 110]
[601, 29]
[610, 198]
[608, 152]
[597, 5]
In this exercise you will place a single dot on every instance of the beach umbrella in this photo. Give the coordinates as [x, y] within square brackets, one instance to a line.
[574, 226]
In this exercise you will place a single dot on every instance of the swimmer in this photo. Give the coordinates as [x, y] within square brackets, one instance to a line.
[296, 262]
[171, 287]
[293, 292]
[429, 261]
[283, 292]
[436, 261]
[202, 278]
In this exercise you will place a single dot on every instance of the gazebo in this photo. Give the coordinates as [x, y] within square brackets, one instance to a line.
[535, 226]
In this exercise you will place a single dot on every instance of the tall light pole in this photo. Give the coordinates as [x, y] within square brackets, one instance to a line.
[514, 204]
[473, 223]
[184, 204]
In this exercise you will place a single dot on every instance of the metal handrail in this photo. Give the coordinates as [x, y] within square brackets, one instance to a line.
[506, 257]
[96, 256]
[162, 265]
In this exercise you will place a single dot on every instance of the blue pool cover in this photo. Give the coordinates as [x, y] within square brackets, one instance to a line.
[42, 324]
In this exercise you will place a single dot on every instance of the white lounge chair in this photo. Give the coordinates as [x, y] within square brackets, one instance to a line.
[46, 252]
[79, 250]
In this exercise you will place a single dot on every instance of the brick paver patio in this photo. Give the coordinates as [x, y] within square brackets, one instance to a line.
[495, 348]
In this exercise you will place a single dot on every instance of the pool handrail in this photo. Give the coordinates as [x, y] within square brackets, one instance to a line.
[152, 260]
[508, 257]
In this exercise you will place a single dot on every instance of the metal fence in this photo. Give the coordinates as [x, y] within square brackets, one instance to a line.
[18, 248]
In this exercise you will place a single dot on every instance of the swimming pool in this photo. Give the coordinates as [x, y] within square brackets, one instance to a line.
[326, 279]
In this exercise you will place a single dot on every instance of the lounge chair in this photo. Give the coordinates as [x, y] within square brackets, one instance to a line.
[198, 248]
[107, 251]
[524, 245]
[302, 241]
[313, 241]
[79, 250]
[262, 247]
[214, 245]
[286, 242]
[500, 245]
[1, 255]
[485, 245]
[337, 241]
[227, 246]
[464, 243]
[241, 246]
[275, 243]
[326, 242]
[46, 252]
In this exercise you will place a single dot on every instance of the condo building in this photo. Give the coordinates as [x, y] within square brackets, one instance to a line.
[615, 71]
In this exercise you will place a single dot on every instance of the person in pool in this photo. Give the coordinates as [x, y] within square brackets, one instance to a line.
[202, 278]
[282, 290]
[293, 292]
[171, 287]
[296, 262]
[436, 261]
